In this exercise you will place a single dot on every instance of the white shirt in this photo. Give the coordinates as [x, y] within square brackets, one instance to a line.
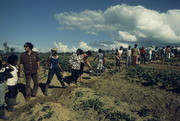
[120, 52]
[129, 52]
[13, 81]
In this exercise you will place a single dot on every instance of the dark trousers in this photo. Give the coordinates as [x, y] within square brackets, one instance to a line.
[12, 91]
[51, 74]
[143, 58]
[35, 79]
[74, 75]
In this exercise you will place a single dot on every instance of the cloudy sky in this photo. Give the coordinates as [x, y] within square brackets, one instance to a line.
[89, 24]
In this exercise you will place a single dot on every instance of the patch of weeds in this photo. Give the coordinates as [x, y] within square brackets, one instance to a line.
[154, 119]
[48, 115]
[91, 103]
[113, 71]
[143, 112]
[40, 118]
[117, 102]
[30, 112]
[28, 107]
[45, 108]
[33, 118]
[79, 94]
[99, 94]
[42, 102]
[99, 107]
[117, 116]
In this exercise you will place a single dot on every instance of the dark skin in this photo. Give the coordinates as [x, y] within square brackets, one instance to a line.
[10, 67]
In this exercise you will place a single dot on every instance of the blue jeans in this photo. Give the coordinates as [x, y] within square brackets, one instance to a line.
[2, 94]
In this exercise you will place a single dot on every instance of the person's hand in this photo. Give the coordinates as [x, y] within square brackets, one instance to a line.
[4, 63]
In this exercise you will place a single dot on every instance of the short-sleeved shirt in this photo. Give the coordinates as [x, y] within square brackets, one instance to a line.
[129, 52]
[100, 56]
[30, 62]
[135, 52]
[76, 61]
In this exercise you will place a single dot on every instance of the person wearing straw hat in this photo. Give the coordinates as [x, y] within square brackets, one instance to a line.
[54, 68]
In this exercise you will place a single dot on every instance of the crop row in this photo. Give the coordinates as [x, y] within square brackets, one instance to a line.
[166, 78]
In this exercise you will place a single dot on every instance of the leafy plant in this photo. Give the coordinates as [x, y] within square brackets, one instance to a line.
[46, 108]
[143, 112]
[168, 78]
[79, 94]
[48, 115]
[117, 116]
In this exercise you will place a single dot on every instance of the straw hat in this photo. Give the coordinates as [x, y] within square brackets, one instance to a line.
[54, 49]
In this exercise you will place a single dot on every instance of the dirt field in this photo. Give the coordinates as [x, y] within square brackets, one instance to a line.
[109, 97]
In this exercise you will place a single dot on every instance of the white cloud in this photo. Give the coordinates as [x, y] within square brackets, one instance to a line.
[84, 46]
[92, 33]
[127, 36]
[126, 23]
[61, 47]
[65, 48]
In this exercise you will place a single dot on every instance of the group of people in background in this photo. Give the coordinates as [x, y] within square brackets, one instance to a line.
[141, 55]
[29, 67]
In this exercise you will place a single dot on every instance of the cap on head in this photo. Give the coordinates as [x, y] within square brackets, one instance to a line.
[54, 49]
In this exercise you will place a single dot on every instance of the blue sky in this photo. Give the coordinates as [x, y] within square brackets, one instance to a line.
[89, 24]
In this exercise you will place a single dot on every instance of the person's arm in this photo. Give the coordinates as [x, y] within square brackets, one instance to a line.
[38, 64]
[94, 59]
[8, 65]
[87, 62]
[59, 65]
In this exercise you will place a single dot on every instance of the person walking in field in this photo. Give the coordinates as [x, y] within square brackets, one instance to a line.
[118, 56]
[31, 63]
[128, 56]
[168, 53]
[100, 57]
[12, 93]
[3, 72]
[75, 63]
[143, 55]
[135, 55]
[54, 68]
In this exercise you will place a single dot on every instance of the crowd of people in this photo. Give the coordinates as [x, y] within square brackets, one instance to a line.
[141, 55]
[29, 67]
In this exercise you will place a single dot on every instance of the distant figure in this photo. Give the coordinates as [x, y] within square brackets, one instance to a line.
[156, 53]
[54, 68]
[128, 56]
[150, 52]
[3, 72]
[12, 84]
[168, 53]
[100, 57]
[135, 55]
[143, 55]
[163, 53]
[31, 63]
[118, 56]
